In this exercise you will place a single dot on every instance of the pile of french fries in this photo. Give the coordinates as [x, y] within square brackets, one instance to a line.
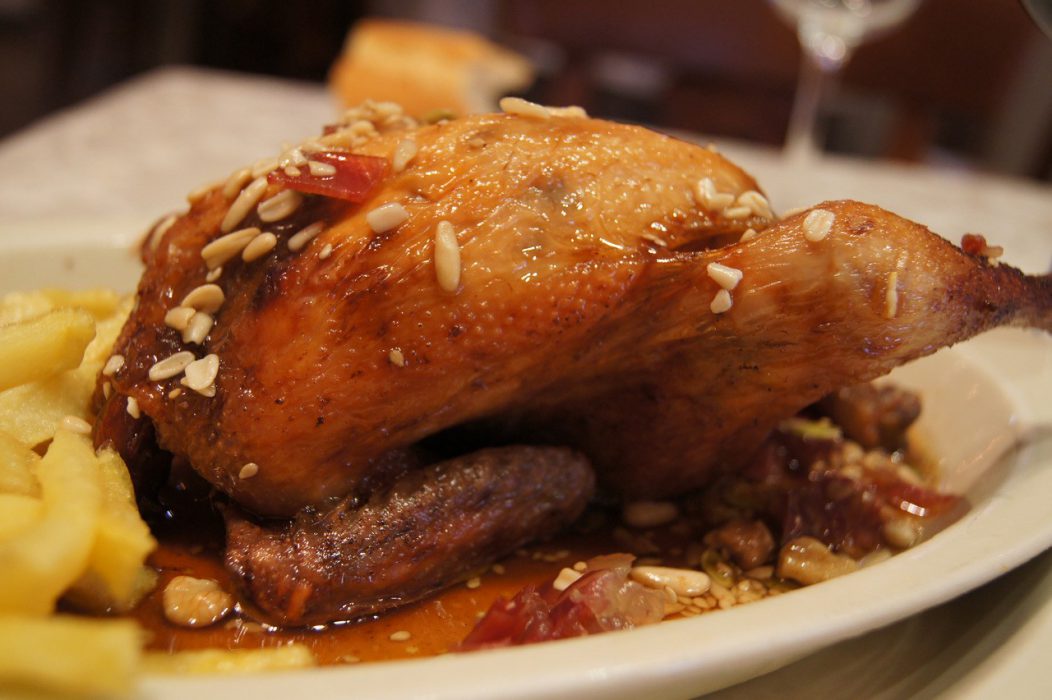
[69, 527]
[70, 531]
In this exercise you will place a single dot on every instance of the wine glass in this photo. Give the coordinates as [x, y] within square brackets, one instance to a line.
[829, 31]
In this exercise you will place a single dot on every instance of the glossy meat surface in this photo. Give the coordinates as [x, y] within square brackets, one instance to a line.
[553, 220]
[583, 315]
[432, 528]
[691, 390]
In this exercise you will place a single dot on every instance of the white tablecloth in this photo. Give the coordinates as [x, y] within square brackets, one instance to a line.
[133, 154]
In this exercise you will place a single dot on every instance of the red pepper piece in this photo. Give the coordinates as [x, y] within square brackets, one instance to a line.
[355, 177]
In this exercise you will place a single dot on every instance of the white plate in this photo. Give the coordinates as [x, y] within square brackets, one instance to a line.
[986, 413]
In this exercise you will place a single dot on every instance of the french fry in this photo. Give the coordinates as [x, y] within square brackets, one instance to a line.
[68, 654]
[45, 559]
[17, 513]
[33, 412]
[286, 657]
[100, 303]
[18, 466]
[69, 526]
[21, 306]
[41, 347]
[115, 578]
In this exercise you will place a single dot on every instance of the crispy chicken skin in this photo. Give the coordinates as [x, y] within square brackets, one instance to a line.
[691, 390]
[552, 219]
[598, 307]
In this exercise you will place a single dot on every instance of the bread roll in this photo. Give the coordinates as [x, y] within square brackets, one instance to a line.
[425, 68]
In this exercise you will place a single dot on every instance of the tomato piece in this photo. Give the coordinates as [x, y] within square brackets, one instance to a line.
[603, 599]
[354, 178]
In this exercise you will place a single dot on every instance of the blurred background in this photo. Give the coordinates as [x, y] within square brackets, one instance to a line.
[961, 83]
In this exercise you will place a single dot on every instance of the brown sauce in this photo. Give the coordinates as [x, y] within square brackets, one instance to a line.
[439, 623]
[435, 625]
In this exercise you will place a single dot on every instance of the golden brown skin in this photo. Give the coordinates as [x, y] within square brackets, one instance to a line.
[551, 219]
[700, 391]
[572, 325]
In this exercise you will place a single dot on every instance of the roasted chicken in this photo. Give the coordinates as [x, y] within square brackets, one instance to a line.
[392, 295]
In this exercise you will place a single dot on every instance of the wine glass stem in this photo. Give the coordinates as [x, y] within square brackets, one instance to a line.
[802, 142]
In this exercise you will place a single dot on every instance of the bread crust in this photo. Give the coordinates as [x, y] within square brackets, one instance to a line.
[425, 68]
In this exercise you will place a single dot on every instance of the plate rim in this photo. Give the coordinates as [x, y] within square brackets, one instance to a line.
[660, 658]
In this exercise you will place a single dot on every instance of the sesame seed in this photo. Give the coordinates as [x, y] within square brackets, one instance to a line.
[756, 202]
[113, 365]
[396, 357]
[473, 583]
[76, 425]
[293, 157]
[737, 212]
[750, 233]
[226, 247]
[681, 582]
[133, 407]
[319, 169]
[264, 167]
[400, 636]
[891, 296]
[198, 328]
[175, 393]
[207, 298]
[259, 246]
[580, 566]
[201, 374]
[706, 195]
[162, 228]
[726, 277]
[236, 182]
[447, 257]
[818, 224]
[570, 111]
[326, 251]
[213, 275]
[246, 200]
[565, 578]
[199, 194]
[305, 235]
[279, 206]
[498, 569]
[179, 317]
[404, 152]
[107, 389]
[292, 171]
[524, 108]
[722, 302]
[386, 217]
[248, 471]
[170, 366]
